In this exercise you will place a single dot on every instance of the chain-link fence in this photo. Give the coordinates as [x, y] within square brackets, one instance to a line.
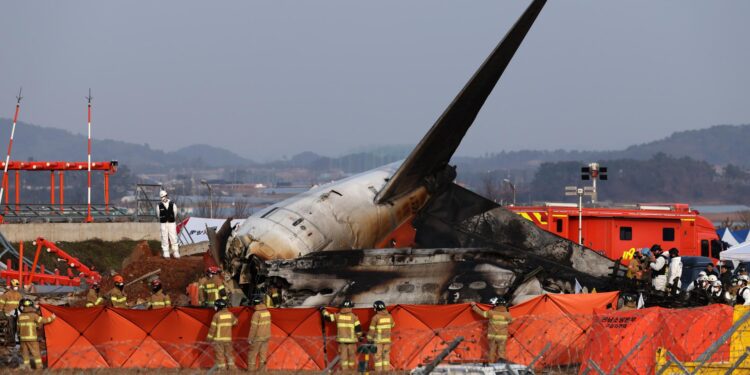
[712, 339]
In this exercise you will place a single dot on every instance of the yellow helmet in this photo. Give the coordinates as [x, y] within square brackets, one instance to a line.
[15, 282]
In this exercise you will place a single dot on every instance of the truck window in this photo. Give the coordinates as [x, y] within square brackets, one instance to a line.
[667, 234]
[704, 248]
[559, 226]
[626, 233]
[715, 248]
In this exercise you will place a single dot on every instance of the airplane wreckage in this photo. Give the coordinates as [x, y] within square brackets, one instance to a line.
[322, 246]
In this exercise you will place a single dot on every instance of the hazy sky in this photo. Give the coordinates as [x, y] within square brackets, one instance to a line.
[273, 78]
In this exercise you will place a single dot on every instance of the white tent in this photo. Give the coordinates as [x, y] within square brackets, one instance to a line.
[728, 237]
[739, 253]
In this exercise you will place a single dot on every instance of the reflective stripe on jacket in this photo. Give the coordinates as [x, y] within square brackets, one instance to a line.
[159, 300]
[118, 298]
[497, 327]
[347, 325]
[210, 289]
[221, 326]
[380, 328]
[28, 323]
[93, 298]
[260, 325]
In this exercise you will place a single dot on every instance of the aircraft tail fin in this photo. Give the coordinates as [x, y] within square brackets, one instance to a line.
[434, 151]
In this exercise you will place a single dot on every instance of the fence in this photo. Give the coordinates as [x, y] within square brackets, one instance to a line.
[653, 340]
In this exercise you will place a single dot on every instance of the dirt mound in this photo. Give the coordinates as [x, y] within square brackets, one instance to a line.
[175, 275]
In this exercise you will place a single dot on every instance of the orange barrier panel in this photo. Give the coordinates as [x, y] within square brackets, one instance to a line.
[560, 320]
[684, 332]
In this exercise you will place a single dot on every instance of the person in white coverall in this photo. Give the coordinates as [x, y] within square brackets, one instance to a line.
[675, 271]
[659, 268]
[167, 211]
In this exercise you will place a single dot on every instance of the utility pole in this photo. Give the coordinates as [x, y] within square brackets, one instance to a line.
[512, 187]
[210, 199]
[594, 172]
[10, 147]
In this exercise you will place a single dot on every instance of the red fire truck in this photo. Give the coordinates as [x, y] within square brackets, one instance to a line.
[618, 232]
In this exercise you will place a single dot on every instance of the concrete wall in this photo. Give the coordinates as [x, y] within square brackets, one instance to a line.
[73, 232]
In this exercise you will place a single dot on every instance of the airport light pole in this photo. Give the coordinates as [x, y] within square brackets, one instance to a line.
[512, 187]
[210, 198]
[580, 192]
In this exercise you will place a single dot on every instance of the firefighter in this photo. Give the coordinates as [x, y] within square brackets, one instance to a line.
[630, 303]
[220, 333]
[380, 334]
[272, 298]
[9, 305]
[11, 298]
[743, 294]
[260, 333]
[117, 295]
[497, 329]
[211, 287]
[348, 332]
[28, 322]
[158, 299]
[94, 298]
[659, 268]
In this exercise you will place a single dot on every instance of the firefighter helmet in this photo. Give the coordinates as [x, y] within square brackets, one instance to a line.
[629, 298]
[497, 301]
[257, 300]
[25, 302]
[378, 305]
[712, 278]
[118, 279]
[162, 194]
[213, 270]
[220, 303]
[744, 278]
[155, 285]
[347, 304]
[15, 282]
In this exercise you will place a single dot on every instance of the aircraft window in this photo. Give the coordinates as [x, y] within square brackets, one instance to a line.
[405, 288]
[704, 248]
[269, 212]
[626, 233]
[667, 234]
[559, 226]
[296, 222]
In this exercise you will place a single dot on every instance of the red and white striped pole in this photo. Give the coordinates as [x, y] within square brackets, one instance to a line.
[88, 216]
[10, 146]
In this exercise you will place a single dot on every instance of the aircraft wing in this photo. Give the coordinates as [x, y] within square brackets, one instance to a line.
[434, 151]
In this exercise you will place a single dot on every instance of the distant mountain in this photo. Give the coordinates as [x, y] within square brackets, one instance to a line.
[42, 143]
[719, 145]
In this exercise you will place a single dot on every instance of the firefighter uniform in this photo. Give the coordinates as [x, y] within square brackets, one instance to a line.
[28, 322]
[93, 298]
[118, 298]
[8, 304]
[348, 331]
[9, 301]
[272, 298]
[380, 334]
[260, 333]
[210, 289]
[220, 333]
[159, 300]
[497, 330]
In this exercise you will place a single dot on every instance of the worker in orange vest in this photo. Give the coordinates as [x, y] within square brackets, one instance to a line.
[260, 333]
[348, 332]
[497, 328]
[28, 322]
[220, 333]
[211, 287]
[117, 295]
[158, 299]
[93, 298]
[380, 334]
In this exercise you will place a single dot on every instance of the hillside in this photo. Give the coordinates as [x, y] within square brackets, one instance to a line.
[43, 143]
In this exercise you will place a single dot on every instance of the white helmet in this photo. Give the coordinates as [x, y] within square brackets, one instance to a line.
[162, 193]
[713, 278]
[716, 283]
[702, 277]
[702, 274]
[744, 278]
